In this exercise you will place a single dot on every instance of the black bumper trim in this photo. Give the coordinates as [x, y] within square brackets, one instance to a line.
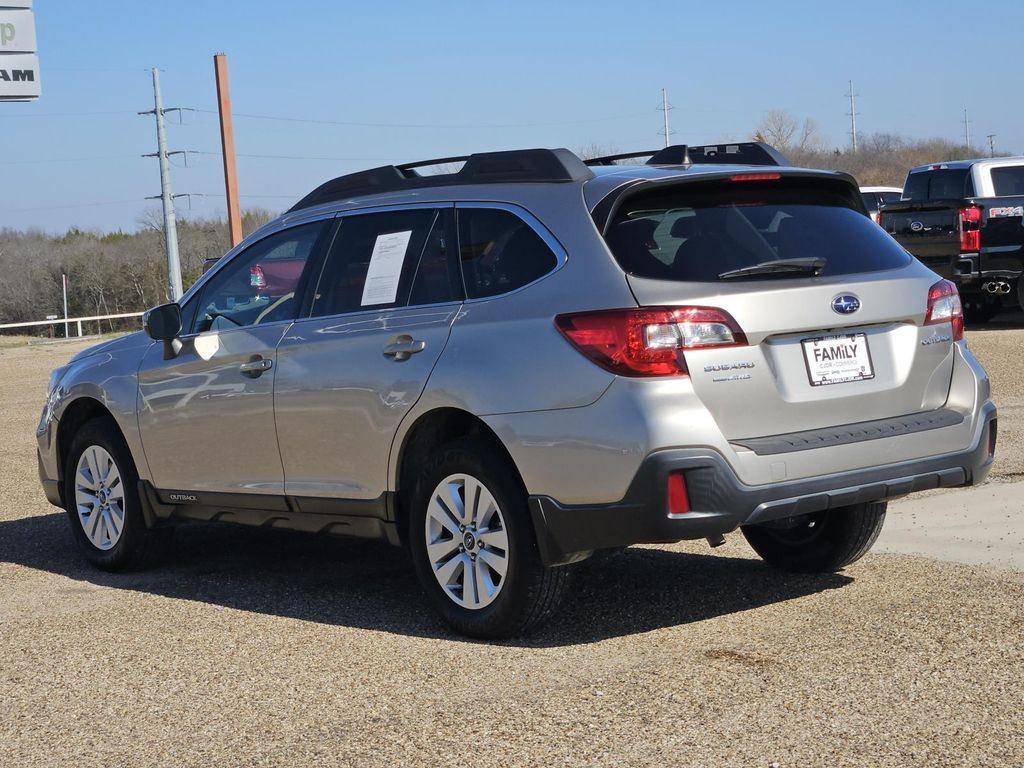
[852, 433]
[721, 503]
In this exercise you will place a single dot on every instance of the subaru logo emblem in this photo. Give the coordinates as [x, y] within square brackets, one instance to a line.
[916, 226]
[845, 304]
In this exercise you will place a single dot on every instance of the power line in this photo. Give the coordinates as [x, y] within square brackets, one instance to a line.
[363, 124]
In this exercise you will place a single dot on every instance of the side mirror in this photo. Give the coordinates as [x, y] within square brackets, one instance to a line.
[163, 323]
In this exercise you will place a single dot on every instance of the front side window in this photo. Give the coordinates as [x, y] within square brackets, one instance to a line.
[261, 284]
[499, 252]
[388, 260]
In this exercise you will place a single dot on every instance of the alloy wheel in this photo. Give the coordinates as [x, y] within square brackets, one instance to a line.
[467, 543]
[99, 497]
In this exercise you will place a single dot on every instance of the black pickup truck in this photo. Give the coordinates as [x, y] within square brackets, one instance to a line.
[965, 220]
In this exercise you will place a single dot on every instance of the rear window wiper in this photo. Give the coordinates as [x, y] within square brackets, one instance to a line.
[778, 267]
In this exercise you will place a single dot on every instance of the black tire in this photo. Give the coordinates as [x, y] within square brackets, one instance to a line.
[822, 542]
[529, 592]
[137, 545]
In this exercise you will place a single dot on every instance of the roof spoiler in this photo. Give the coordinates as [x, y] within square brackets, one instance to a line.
[742, 153]
[522, 165]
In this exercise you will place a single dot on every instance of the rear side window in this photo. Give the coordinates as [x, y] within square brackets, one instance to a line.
[940, 184]
[380, 260]
[698, 232]
[889, 197]
[1008, 181]
[870, 201]
[499, 252]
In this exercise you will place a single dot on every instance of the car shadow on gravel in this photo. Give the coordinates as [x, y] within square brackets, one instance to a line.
[370, 585]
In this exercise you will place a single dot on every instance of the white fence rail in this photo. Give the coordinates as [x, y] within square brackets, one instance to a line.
[68, 320]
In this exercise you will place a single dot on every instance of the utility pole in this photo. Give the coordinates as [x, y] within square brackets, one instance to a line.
[967, 129]
[64, 289]
[665, 107]
[227, 144]
[991, 145]
[174, 289]
[853, 116]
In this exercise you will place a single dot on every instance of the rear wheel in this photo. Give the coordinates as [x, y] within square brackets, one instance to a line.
[102, 501]
[820, 542]
[473, 544]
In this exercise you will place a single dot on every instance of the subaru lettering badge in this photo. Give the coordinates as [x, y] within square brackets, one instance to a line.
[845, 304]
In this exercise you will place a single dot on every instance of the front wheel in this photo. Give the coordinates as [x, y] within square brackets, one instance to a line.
[102, 500]
[821, 542]
[473, 544]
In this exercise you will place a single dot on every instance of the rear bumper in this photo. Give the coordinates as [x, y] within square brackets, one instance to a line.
[720, 502]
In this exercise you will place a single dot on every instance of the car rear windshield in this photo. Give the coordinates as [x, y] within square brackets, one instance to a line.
[939, 184]
[696, 232]
[1008, 181]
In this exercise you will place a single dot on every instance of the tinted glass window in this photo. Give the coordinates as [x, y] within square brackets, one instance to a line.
[942, 184]
[697, 232]
[870, 201]
[889, 197]
[375, 257]
[437, 278]
[260, 284]
[1008, 180]
[499, 252]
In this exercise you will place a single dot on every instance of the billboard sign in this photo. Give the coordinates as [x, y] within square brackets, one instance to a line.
[19, 64]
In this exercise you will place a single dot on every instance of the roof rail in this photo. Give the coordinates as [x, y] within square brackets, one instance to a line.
[740, 153]
[521, 165]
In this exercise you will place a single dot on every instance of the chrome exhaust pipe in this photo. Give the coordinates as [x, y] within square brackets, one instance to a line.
[997, 287]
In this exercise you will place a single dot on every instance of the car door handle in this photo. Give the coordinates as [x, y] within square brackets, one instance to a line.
[255, 368]
[404, 347]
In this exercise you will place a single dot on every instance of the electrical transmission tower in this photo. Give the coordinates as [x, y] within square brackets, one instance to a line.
[664, 108]
[853, 116]
[174, 287]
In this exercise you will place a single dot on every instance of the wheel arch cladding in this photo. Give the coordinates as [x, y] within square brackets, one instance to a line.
[430, 431]
[78, 412]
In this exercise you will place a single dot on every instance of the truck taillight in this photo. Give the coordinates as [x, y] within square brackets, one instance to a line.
[256, 277]
[970, 229]
[649, 341]
[944, 307]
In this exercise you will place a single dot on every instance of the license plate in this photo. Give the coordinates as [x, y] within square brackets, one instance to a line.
[838, 359]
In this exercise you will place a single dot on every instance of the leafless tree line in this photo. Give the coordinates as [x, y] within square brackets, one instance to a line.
[108, 273]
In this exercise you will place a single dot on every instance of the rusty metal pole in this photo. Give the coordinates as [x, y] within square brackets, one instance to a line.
[227, 143]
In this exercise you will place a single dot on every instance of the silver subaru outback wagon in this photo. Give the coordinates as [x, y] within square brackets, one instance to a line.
[511, 367]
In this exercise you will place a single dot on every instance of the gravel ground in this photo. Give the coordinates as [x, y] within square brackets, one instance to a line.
[263, 648]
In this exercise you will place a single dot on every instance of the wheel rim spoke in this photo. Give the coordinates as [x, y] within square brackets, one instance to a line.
[99, 497]
[497, 563]
[495, 539]
[466, 541]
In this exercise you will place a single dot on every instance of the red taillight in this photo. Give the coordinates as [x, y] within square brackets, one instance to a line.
[651, 341]
[756, 177]
[678, 498]
[970, 229]
[256, 277]
[944, 307]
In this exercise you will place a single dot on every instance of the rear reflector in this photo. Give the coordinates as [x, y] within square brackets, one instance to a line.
[992, 433]
[678, 498]
[649, 341]
[944, 307]
[970, 229]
